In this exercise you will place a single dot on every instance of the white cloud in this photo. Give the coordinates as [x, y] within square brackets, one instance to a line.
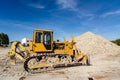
[67, 4]
[73, 6]
[36, 6]
[16, 24]
[116, 26]
[32, 3]
[117, 12]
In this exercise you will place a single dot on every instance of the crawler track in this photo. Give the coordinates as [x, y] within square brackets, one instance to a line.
[51, 61]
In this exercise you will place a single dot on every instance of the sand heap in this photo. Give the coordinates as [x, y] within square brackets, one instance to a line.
[90, 43]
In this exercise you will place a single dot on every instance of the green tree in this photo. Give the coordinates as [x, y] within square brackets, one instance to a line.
[117, 41]
[4, 39]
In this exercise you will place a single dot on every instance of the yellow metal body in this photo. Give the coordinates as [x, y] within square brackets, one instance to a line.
[38, 43]
[65, 47]
[19, 51]
[40, 46]
[42, 42]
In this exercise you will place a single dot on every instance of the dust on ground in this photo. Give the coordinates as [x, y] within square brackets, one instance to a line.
[104, 57]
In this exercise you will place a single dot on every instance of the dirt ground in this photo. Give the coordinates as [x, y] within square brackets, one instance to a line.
[103, 67]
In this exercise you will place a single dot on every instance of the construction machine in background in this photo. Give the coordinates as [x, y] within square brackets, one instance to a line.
[44, 53]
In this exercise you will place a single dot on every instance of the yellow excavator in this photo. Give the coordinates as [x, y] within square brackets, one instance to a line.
[44, 53]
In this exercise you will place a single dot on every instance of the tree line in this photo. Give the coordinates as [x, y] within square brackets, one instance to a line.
[117, 41]
[4, 39]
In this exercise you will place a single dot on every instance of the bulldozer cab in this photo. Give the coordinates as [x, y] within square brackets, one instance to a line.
[42, 41]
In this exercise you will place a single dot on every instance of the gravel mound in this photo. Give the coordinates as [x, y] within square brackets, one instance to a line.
[91, 43]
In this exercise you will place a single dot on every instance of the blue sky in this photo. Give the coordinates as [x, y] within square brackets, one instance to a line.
[18, 18]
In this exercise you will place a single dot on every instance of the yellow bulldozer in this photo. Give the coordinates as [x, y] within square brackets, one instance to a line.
[44, 53]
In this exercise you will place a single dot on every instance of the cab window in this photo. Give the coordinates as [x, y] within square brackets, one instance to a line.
[47, 40]
[38, 37]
